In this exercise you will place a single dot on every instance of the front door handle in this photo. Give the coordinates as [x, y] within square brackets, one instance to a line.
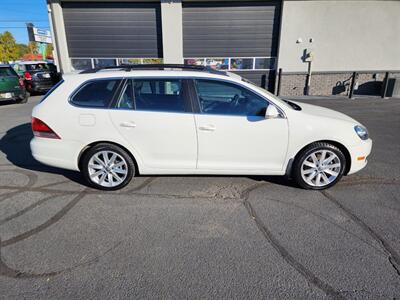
[207, 128]
[128, 124]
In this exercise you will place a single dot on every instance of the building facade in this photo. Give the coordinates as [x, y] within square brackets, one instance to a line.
[327, 39]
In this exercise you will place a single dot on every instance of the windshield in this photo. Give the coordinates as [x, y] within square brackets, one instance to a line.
[268, 94]
[40, 66]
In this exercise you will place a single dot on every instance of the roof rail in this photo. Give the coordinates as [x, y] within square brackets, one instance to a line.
[130, 67]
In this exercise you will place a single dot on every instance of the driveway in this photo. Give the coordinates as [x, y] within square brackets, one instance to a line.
[201, 237]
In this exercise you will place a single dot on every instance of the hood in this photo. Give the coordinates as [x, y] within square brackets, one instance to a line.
[319, 111]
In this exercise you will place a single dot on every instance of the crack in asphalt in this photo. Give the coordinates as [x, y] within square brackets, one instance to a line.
[393, 256]
[7, 271]
[330, 221]
[27, 209]
[136, 191]
[283, 252]
[61, 213]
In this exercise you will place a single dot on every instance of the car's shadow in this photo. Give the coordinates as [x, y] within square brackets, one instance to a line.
[7, 102]
[15, 145]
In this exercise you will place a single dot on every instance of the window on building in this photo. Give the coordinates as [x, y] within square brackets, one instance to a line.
[81, 63]
[268, 63]
[242, 63]
[136, 61]
[97, 94]
[223, 98]
[104, 62]
[234, 63]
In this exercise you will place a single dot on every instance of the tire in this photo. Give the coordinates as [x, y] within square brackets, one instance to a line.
[309, 172]
[23, 100]
[103, 176]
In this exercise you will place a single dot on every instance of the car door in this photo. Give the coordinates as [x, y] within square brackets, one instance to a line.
[233, 133]
[154, 115]
[9, 82]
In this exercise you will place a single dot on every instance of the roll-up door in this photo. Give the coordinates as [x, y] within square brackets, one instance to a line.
[236, 36]
[113, 29]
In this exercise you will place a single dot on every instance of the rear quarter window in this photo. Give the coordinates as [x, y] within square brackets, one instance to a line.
[96, 94]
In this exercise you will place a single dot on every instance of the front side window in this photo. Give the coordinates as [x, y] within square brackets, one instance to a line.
[223, 98]
[97, 94]
[159, 95]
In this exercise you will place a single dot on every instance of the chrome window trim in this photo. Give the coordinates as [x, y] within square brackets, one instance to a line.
[171, 77]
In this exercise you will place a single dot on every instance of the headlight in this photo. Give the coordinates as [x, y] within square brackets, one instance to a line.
[362, 132]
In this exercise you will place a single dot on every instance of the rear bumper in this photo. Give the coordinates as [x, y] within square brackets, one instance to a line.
[56, 153]
[38, 86]
[16, 96]
[357, 152]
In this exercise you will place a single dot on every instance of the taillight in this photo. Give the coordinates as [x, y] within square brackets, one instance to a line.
[21, 82]
[28, 76]
[40, 129]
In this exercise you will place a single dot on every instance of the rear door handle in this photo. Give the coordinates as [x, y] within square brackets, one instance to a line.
[207, 128]
[128, 124]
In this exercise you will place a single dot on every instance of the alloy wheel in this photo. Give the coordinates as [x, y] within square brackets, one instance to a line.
[107, 168]
[321, 168]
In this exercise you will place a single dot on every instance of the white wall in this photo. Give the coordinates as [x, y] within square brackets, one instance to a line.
[171, 18]
[348, 35]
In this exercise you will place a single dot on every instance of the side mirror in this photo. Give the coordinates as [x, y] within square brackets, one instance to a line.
[272, 112]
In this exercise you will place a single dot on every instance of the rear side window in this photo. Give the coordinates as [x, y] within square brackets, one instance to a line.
[97, 94]
[7, 71]
[159, 95]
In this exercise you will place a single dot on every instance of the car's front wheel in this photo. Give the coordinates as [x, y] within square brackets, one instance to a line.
[319, 166]
[107, 167]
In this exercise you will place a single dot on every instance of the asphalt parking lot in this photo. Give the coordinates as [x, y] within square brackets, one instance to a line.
[201, 237]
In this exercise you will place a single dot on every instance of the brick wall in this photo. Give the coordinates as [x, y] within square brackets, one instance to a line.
[333, 83]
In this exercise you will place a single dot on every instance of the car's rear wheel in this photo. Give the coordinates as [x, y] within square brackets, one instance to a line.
[319, 166]
[107, 167]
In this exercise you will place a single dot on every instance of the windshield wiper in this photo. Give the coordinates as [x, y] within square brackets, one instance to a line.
[293, 105]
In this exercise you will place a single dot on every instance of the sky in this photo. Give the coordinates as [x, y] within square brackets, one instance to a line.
[15, 13]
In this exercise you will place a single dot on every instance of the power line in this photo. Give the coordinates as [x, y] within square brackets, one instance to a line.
[22, 20]
[12, 27]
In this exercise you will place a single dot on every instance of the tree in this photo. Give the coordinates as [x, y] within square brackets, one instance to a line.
[22, 49]
[33, 48]
[8, 47]
[31, 56]
[49, 51]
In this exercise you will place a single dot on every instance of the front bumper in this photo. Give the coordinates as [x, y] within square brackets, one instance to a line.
[56, 153]
[357, 152]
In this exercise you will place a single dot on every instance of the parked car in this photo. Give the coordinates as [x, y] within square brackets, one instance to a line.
[118, 123]
[39, 76]
[11, 86]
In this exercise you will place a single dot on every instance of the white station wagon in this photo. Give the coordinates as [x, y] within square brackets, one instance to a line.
[113, 124]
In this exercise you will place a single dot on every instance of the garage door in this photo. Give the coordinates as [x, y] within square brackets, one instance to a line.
[113, 29]
[237, 36]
